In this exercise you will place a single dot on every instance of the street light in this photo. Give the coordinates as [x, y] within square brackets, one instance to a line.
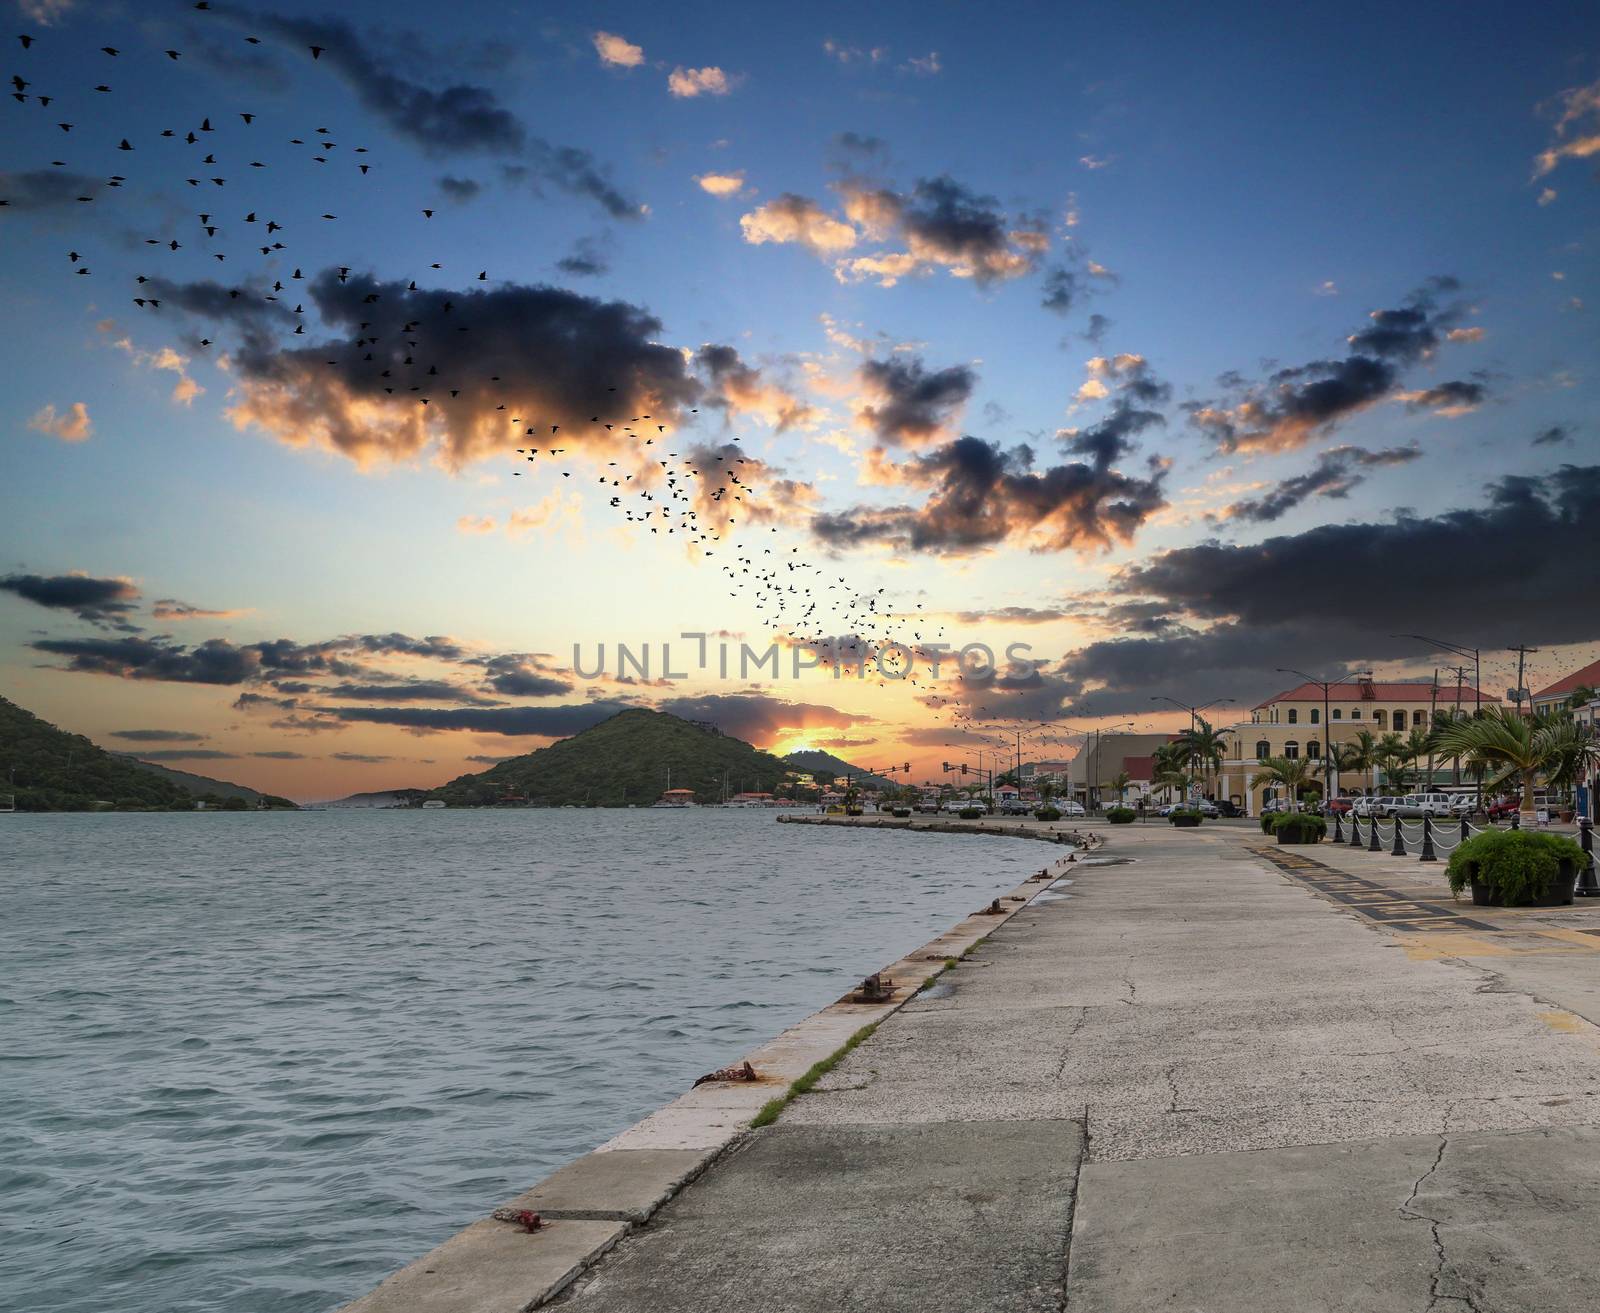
[1193, 711]
[1329, 787]
[1094, 793]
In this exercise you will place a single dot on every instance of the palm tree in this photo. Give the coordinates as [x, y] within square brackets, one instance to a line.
[1345, 756]
[1390, 755]
[1177, 780]
[1120, 782]
[1293, 773]
[1419, 744]
[1204, 744]
[1580, 696]
[1516, 748]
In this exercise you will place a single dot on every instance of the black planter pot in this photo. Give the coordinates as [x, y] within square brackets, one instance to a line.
[1283, 837]
[1184, 822]
[1561, 890]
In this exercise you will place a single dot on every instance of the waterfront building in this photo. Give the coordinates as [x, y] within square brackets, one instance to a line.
[1301, 722]
[1106, 756]
[1557, 695]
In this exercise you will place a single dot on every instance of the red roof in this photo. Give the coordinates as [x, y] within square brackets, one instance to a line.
[1376, 692]
[1589, 675]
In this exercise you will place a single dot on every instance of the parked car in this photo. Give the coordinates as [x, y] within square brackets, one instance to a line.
[1228, 808]
[1503, 808]
[1338, 806]
[1275, 806]
[1463, 804]
[1069, 807]
[1015, 807]
[1424, 804]
[1208, 809]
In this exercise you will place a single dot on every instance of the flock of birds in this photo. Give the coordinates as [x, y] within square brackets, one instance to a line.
[693, 494]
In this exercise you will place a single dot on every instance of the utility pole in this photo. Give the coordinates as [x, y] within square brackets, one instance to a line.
[1522, 658]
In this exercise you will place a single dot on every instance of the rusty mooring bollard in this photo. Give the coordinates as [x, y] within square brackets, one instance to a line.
[876, 988]
[523, 1217]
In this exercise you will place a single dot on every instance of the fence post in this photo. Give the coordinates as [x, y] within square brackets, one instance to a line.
[1355, 830]
[1399, 849]
[1372, 830]
[1466, 830]
[1338, 830]
[1588, 886]
[1516, 820]
[1428, 855]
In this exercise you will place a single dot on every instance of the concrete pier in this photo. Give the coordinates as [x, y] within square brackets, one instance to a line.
[1221, 1075]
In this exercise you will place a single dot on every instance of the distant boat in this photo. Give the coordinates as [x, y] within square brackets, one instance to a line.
[676, 798]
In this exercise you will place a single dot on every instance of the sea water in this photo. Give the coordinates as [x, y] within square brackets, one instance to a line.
[257, 1061]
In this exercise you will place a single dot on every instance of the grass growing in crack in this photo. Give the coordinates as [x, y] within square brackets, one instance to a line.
[772, 1108]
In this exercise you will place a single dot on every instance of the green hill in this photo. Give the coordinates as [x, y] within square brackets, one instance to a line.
[814, 761]
[198, 786]
[620, 761]
[50, 770]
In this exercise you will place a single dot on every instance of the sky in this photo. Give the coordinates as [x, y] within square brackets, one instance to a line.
[1181, 348]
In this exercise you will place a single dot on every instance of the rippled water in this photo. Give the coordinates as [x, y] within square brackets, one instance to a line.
[257, 1061]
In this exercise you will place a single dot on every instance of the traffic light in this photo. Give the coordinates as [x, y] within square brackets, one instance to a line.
[963, 768]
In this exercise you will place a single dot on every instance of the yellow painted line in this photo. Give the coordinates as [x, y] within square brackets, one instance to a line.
[1567, 1023]
[1580, 938]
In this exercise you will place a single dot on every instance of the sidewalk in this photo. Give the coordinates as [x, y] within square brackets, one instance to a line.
[1193, 1081]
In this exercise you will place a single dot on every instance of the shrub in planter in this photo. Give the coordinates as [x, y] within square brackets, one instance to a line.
[1121, 815]
[1298, 827]
[970, 813]
[852, 811]
[902, 812]
[1047, 814]
[1517, 868]
[1185, 818]
[1267, 821]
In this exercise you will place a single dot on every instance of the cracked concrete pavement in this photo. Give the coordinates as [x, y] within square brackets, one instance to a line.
[1195, 1082]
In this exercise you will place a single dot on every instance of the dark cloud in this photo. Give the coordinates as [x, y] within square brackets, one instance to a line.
[280, 754]
[944, 221]
[463, 117]
[1063, 288]
[46, 189]
[559, 357]
[741, 388]
[545, 722]
[365, 758]
[983, 495]
[253, 701]
[1247, 610]
[756, 717]
[103, 602]
[1295, 405]
[586, 261]
[1456, 396]
[1097, 328]
[907, 403]
[185, 754]
[861, 146]
[520, 674]
[1550, 437]
[157, 736]
[1334, 475]
[410, 690]
[460, 190]
[213, 662]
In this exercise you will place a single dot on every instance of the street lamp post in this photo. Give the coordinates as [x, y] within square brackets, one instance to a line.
[1330, 787]
[1477, 677]
[1094, 763]
[1194, 711]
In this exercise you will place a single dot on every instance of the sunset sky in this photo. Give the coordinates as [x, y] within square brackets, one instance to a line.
[1181, 346]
